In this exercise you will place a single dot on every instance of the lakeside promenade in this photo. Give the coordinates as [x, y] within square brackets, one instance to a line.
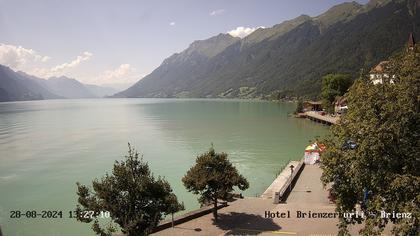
[258, 216]
[252, 216]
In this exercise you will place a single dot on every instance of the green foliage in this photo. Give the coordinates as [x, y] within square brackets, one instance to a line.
[334, 85]
[299, 106]
[174, 206]
[135, 199]
[246, 92]
[213, 177]
[383, 120]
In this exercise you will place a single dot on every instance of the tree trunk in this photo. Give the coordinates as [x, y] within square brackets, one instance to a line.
[215, 210]
[172, 220]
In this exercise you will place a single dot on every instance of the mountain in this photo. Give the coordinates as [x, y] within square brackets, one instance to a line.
[19, 87]
[101, 91]
[37, 85]
[68, 87]
[118, 86]
[288, 58]
[180, 68]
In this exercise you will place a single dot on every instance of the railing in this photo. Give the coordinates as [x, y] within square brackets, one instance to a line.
[188, 216]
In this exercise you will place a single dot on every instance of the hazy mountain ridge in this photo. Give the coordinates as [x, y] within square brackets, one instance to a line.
[12, 88]
[19, 86]
[68, 87]
[33, 82]
[290, 57]
[100, 91]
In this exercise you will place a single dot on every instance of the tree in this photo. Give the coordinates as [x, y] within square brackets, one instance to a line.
[135, 199]
[213, 177]
[174, 206]
[334, 85]
[299, 106]
[382, 171]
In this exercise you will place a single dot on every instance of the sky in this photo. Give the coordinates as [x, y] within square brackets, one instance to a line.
[110, 42]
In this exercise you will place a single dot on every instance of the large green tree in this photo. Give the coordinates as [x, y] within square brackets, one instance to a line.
[213, 177]
[381, 170]
[334, 85]
[135, 199]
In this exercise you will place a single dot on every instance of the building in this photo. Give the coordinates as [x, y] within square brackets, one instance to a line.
[340, 105]
[312, 106]
[378, 73]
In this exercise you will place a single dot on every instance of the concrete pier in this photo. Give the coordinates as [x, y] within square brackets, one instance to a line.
[283, 179]
[324, 119]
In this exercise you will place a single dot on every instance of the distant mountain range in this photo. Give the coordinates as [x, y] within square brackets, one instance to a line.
[288, 58]
[19, 86]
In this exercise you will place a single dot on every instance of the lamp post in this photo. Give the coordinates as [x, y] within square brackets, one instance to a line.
[291, 177]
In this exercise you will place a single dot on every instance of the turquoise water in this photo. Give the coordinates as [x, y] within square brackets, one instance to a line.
[47, 146]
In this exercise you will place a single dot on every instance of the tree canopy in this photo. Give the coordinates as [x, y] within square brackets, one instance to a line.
[213, 177]
[135, 199]
[334, 85]
[299, 106]
[382, 171]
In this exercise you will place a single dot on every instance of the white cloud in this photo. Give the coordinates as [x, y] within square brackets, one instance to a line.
[79, 59]
[31, 62]
[172, 23]
[62, 68]
[125, 73]
[217, 12]
[18, 56]
[243, 31]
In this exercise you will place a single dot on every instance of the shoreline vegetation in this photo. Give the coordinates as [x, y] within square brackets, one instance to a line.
[371, 159]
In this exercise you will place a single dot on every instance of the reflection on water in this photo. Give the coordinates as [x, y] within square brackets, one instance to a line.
[46, 146]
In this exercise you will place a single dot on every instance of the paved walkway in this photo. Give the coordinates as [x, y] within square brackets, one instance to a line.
[252, 216]
[324, 118]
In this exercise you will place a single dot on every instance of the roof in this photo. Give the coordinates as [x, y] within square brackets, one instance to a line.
[380, 67]
[341, 100]
[313, 102]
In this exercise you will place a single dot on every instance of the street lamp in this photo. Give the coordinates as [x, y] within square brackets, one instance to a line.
[291, 177]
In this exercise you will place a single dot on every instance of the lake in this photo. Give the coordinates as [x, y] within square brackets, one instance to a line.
[48, 146]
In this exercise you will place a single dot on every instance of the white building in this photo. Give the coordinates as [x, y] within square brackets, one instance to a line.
[378, 75]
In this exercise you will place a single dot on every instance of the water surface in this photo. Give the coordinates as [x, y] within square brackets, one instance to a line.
[47, 146]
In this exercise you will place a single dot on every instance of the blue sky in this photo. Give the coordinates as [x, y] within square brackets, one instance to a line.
[110, 41]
